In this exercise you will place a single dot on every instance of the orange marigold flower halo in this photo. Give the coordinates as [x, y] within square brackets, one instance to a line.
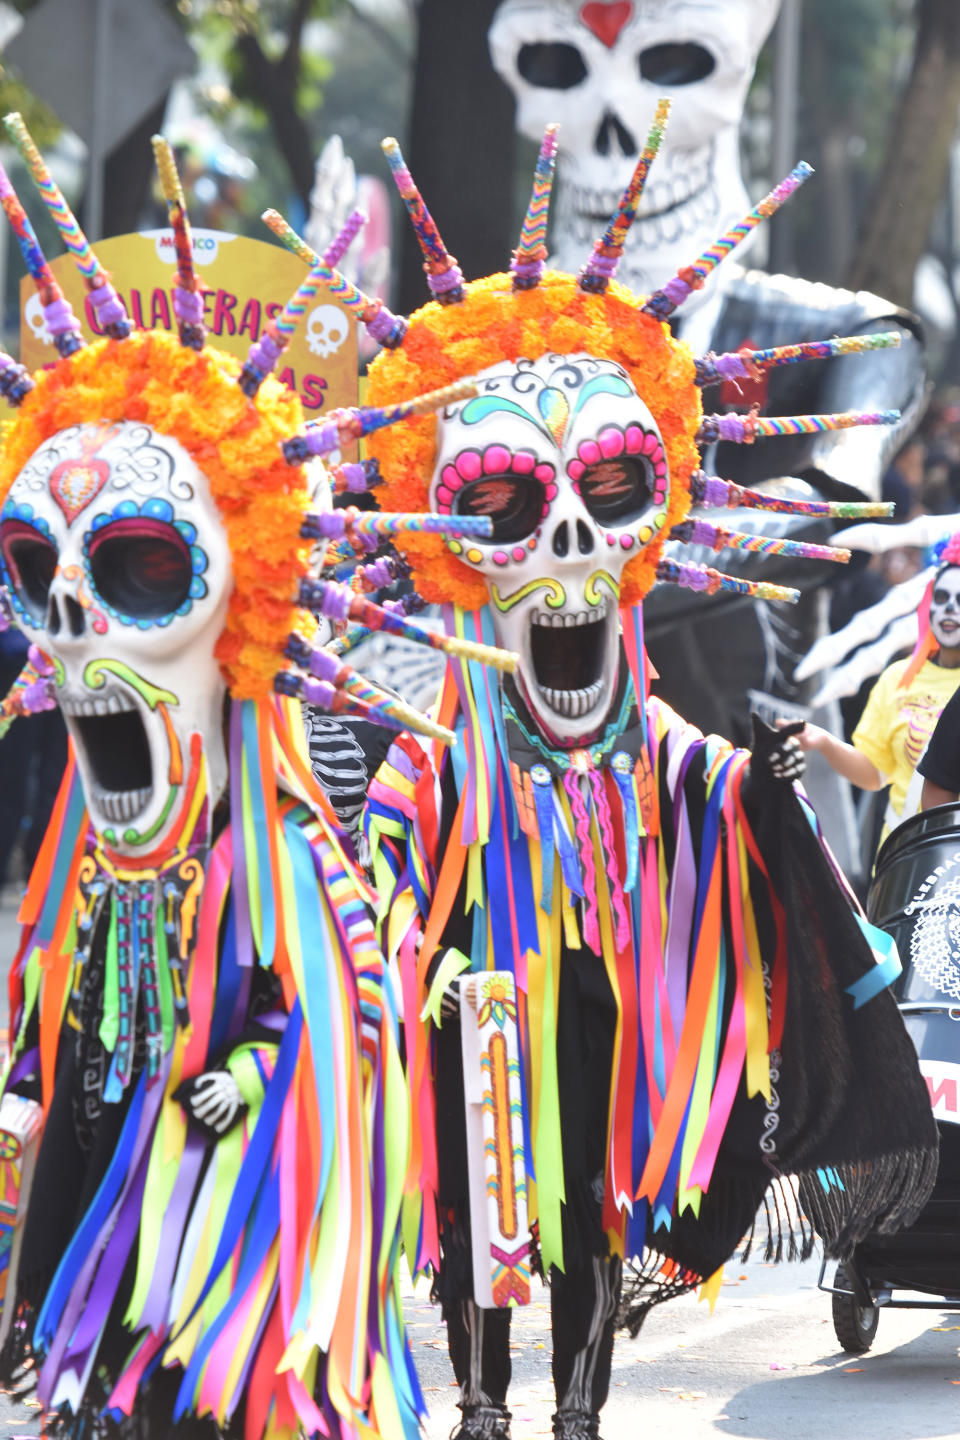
[194, 398]
[495, 323]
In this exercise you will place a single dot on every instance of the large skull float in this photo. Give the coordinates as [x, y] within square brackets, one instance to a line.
[599, 68]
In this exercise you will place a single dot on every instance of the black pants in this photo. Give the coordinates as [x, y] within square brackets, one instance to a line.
[583, 1304]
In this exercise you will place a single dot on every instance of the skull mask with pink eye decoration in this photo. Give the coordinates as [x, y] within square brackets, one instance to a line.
[599, 67]
[567, 461]
[119, 568]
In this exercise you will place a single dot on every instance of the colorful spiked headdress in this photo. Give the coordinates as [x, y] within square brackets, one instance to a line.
[530, 311]
[256, 450]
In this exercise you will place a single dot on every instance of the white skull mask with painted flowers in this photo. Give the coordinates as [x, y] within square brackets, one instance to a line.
[119, 568]
[567, 461]
[598, 67]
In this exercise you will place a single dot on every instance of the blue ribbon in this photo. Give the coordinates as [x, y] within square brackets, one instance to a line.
[884, 972]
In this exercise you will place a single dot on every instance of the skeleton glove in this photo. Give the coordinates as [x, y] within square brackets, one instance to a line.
[777, 752]
[213, 1102]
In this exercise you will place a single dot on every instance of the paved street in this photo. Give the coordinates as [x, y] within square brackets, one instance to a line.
[765, 1366]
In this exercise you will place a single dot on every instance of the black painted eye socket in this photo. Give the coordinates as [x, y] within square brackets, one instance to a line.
[141, 569]
[551, 65]
[616, 492]
[675, 64]
[31, 563]
[513, 502]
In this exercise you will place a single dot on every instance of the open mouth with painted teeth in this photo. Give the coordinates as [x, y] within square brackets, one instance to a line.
[110, 735]
[568, 653]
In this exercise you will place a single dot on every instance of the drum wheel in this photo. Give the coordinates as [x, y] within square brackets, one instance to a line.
[855, 1324]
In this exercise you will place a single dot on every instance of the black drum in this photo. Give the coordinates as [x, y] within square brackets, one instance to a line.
[915, 897]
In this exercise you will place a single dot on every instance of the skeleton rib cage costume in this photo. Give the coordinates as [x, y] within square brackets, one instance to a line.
[680, 944]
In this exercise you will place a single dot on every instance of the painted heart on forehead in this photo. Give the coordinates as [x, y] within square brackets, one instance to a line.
[599, 68]
[117, 561]
[568, 462]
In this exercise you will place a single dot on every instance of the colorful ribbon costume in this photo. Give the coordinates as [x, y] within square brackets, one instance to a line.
[199, 1003]
[689, 970]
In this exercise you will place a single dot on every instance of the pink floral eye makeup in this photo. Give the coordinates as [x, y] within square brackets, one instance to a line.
[620, 475]
[513, 488]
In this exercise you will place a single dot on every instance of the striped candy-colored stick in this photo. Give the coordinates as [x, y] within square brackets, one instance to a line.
[385, 327]
[341, 427]
[265, 352]
[340, 604]
[362, 699]
[748, 364]
[662, 303]
[295, 243]
[333, 524]
[188, 291]
[531, 252]
[744, 429]
[57, 311]
[108, 307]
[712, 491]
[601, 267]
[444, 276]
[325, 666]
[701, 532]
[341, 242]
[707, 581]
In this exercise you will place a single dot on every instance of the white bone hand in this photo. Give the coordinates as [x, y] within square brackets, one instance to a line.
[215, 1100]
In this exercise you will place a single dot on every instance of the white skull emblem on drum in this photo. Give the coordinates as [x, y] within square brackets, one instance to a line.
[567, 461]
[599, 68]
[119, 568]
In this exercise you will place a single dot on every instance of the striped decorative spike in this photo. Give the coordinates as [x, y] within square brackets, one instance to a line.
[662, 303]
[384, 327]
[340, 604]
[444, 276]
[351, 522]
[342, 427]
[57, 312]
[708, 581]
[361, 698]
[600, 269]
[531, 253]
[744, 429]
[713, 492]
[277, 334]
[736, 365]
[701, 532]
[326, 667]
[110, 312]
[341, 243]
[188, 291]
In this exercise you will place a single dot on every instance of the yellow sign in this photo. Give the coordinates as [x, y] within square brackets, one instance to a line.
[247, 283]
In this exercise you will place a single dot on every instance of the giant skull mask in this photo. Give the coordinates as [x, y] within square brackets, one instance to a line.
[599, 68]
[567, 460]
[119, 567]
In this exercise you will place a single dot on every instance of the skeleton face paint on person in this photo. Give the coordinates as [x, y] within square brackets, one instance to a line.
[599, 68]
[119, 568]
[567, 461]
[945, 608]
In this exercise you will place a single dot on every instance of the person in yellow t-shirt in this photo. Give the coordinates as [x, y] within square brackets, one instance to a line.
[905, 703]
